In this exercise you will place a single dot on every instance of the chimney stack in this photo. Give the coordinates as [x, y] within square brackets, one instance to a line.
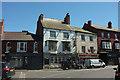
[89, 23]
[67, 19]
[109, 24]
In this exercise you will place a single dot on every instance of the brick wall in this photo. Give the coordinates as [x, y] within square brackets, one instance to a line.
[30, 46]
[99, 38]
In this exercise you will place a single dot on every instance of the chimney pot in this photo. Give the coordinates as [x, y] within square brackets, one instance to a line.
[109, 24]
[41, 17]
[89, 23]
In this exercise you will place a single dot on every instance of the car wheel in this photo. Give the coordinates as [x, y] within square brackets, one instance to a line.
[92, 66]
[103, 66]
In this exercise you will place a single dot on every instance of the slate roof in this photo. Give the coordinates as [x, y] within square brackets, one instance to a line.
[59, 24]
[105, 28]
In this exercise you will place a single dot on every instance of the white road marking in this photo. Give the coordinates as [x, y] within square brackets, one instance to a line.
[22, 75]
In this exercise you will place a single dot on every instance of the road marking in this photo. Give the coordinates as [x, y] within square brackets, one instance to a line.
[22, 75]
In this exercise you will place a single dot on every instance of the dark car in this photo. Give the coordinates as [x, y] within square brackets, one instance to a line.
[66, 65]
[117, 73]
[69, 65]
[7, 70]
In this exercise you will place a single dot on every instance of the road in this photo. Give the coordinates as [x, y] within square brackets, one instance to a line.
[106, 72]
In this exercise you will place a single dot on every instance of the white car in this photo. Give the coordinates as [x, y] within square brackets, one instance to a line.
[92, 63]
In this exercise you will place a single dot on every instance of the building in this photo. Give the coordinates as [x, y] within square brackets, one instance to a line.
[60, 43]
[86, 43]
[108, 41]
[58, 39]
[23, 50]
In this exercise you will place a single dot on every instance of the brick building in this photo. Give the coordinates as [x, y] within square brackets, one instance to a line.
[22, 49]
[108, 39]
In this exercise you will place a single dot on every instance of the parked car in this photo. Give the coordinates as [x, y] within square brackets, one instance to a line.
[92, 63]
[117, 73]
[7, 70]
[69, 65]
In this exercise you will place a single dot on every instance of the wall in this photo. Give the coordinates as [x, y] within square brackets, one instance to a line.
[59, 38]
[87, 43]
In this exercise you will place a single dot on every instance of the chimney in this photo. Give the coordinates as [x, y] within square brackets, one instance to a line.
[109, 24]
[89, 23]
[39, 26]
[41, 17]
[67, 19]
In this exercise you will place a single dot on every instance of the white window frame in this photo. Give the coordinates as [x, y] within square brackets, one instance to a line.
[7, 48]
[34, 47]
[106, 44]
[18, 47]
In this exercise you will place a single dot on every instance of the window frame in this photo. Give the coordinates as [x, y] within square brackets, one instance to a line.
[83, 37]
[64, 47]
[35, 51]
[18, 47]
[53, 45]
[83, 49]
[102, 34]
[7, 48]
[91, 38]
[108, 35]
[65, 34]
[53, 35]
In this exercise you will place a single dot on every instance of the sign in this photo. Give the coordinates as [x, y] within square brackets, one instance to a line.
[88, 55]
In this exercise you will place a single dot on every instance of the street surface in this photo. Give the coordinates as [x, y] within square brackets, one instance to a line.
[106, 72]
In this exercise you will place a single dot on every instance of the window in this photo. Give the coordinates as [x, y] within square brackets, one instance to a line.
[108, 35]
[102, 35]
[65, 35]
[52, 45]
[117, 46]
[45, 43]
[82, 37]
[35, 47]
[52, 34]
[66, 46]
[8, 46]
[56, 60]
[21, 46]
[106, 45]
[115, 36]
[91, 49]
[91, 38]
[83, 49]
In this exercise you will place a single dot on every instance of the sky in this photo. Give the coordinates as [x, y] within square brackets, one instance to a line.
[20, 16]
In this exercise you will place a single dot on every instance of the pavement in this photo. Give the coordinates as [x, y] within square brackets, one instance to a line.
[58, 69]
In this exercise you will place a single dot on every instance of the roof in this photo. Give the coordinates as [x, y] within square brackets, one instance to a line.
[16, 36]
[59, 24]
[105, 28]
[81, 30]
[55, 24]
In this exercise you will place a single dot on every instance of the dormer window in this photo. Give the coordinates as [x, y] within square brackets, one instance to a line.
[35, 47]
[8, 46]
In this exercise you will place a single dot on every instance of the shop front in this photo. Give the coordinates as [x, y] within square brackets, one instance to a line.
[25, 60]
